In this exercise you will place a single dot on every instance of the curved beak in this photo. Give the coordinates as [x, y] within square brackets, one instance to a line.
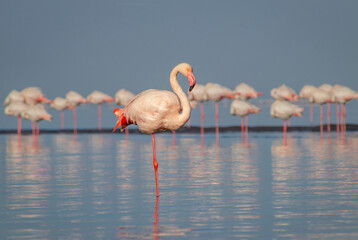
[192, 80]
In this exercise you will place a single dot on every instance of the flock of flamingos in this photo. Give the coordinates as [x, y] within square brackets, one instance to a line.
[159, 110]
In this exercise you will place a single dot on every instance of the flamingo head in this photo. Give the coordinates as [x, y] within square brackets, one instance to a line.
[187, 71]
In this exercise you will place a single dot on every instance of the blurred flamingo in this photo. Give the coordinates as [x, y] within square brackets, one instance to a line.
[285, 110]
[215, 92]
[15, 108]
[244, 91]
[306, 92]
[243, 109]
[97, 97]
[36, 113]
[284, 93]
[33, 95]
[60, 104]
[74, 99]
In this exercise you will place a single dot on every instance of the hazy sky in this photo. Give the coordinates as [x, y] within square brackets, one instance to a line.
[107, 45]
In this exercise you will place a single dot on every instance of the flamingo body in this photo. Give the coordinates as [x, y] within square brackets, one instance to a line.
[243, 108]
[14, 96]
[123, 97]
[245, 91]
[284, 93]
[33, 95]
[97, 97]
[285, 110]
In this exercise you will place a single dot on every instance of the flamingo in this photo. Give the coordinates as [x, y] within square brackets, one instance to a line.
[199, 94]
[216, 92]
[15, 108]
[285, 110]
[243, 109]
[158, 110]
[321, 97]
[60, 104]
[97, 97]
[342, 95]
[73, 100]
[123, 97]
[33, 95]
[306, 92]
[36, 113]
[14, 96]
[245, 92]
[284, 93]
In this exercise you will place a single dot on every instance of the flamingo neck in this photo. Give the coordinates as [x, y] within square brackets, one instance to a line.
[185, 105]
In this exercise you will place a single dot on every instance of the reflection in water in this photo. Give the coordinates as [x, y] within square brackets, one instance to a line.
[319, 177]
[102, 186]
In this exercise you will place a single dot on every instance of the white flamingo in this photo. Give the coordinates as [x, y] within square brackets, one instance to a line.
[158, 110]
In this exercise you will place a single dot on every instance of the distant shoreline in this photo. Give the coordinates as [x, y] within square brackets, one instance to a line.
[192, 129]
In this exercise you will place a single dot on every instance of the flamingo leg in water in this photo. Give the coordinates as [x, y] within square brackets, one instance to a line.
[38, 129]
[99, 116]
[217, 117]
[74, 121]
[246, 126]
[311, 113]
[321, 117]
[242, 130]
[18, 125]
[284, 133]
[62, 119]
[328, 117]
[174, 140]
[155, 164]
[202, 118]
[337, 124]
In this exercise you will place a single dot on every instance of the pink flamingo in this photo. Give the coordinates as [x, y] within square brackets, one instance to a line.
[35, 114]
[243, 109]
[158, 110]
[97, 97]
[73, 100]
[321, 97]
[60, 104]
[14, 96]
[123, 97]
[306, 92]
[33, 95]
[215, 92]
[285, 110]
[342, 95]
[15, 108]
[245, 92]
[199, 94]
[284, 93]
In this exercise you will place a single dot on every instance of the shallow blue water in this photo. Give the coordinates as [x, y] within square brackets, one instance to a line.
[101, 186]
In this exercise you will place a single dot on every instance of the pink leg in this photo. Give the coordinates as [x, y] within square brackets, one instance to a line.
[344, 116]
[337, 124]
[284, 133]
[38, 129]
[19, 125]
[321, 117]
[242, 130]
[311, 114]
[246, 126]
[74, 121]
[328, 117]
[155, 164]
[62, 119]
[217, 117]
[174, 142]
[202, 118]
[99, 117]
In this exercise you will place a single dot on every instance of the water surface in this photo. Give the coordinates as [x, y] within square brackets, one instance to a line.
[101, 186]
